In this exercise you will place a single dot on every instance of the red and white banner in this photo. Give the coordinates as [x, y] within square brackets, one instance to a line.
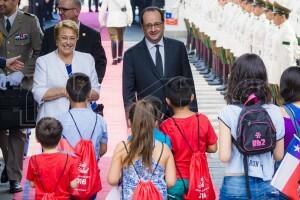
[287, 177]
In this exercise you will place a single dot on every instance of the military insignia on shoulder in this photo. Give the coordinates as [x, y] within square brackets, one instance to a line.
[29, 14]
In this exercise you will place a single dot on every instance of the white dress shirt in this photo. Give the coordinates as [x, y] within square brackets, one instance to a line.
[152, 50]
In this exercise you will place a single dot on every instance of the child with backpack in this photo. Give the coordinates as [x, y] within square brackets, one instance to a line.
[251, 132]
[144, 166]
[157, 104]
[290, 92]
[192, 135]
[85, 134]
[53, 174]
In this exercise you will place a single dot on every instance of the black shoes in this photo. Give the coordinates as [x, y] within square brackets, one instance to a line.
[115, 62]
[222, 88]
[4, 176]
[15, 187]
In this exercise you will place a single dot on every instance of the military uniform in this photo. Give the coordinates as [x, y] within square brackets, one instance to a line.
[24, 38]
[284, 48]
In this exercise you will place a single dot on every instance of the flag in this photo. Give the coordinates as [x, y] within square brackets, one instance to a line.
[287, 177]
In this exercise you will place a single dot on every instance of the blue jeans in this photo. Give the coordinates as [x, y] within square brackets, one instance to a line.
[234, 187]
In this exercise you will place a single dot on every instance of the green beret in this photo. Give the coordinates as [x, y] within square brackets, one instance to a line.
[279, 9]
[250, 1]
[269, 6]
[259, 3]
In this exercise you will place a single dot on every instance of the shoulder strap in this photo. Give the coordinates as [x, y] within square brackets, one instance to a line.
[131, 163]
[185, 137]
[41, 181]
[78, 128]
[292, 115]
[162, 149]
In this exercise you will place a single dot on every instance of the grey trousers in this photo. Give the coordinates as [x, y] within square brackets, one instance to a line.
[12, 146]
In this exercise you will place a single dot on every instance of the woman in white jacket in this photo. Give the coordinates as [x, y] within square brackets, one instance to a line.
[119, 16]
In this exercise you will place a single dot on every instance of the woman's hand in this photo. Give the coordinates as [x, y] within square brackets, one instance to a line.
[55, 93]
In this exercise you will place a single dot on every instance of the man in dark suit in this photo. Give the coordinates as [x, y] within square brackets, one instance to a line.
[89, 39]
[152, 62]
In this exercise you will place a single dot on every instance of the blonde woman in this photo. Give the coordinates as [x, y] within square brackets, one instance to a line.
[119, 16]
[53, 70]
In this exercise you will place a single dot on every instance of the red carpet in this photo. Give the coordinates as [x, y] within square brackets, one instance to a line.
[91, 20]
[111, 97]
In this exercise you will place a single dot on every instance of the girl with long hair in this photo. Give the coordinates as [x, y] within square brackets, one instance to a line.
[248, 76]
[142, 157]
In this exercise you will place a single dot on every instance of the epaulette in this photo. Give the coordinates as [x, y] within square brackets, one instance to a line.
[29, 14]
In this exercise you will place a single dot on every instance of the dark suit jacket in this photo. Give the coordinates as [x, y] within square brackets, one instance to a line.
[89, 42]
[140, 77]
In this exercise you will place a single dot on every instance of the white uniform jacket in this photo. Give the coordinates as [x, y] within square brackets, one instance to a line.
[119, 13]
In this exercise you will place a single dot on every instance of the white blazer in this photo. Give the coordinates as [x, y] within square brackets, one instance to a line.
[50, 72]
[115, 17]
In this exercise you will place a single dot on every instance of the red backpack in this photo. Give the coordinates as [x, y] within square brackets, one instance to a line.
[49, 195]
[200, 184]
[146, 190]
[89, 174]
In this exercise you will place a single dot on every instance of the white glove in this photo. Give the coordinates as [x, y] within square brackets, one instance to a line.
[15, 78]
[2, 82]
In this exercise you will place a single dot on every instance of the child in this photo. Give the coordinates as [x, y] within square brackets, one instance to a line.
[248, 76]
[81, 121]
[290, 92]
[179, 95]
[142, 157]
[52, 172]
[158, 135]
[81, 117]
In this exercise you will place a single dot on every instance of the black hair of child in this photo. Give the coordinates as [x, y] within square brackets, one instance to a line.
[78, 87]
[48, 132]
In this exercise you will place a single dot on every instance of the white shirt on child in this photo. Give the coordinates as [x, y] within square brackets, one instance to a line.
[262, 165]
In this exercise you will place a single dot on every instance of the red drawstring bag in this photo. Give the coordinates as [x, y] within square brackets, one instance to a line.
[200, 184]
[49, 195]
[89, 182]
[89, 179]
[64, 145]
[146, 190]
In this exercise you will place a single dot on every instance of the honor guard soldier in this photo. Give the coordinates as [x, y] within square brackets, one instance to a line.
[22, 35]
[259, 29]
[284, 48]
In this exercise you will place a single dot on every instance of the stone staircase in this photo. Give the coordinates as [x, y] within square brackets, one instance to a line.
[210, 102]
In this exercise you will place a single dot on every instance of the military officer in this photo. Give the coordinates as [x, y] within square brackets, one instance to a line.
[22, 35]
[285, 42]
[259, 29]
[284, 49]
[268, 40]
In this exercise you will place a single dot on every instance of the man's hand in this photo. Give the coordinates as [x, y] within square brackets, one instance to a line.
[14, 64]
